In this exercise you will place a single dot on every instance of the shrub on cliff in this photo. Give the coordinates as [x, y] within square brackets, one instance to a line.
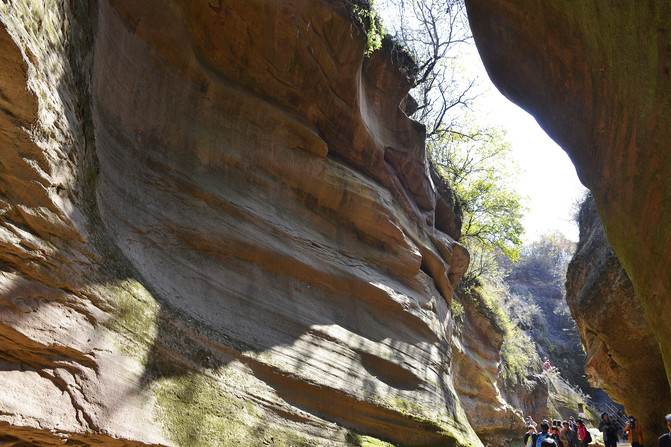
[365, 15]
[519, 358]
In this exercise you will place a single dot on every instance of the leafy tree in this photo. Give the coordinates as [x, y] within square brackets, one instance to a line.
[366, 16]
[476, 169]
[474, 159]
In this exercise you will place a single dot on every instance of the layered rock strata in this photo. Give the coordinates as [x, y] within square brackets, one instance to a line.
[218, 227]
[477, 359]
[597, 78]
[623, 355]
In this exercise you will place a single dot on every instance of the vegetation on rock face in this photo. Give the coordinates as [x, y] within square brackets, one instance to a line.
[367, 441]
[368, 19]
[197, 409]
[523, 300]
[538, 306]
[469, 156]
[596, 61]
[546, 259]
[199, 406]
[519, 358]
[492, 208]
[525, 303]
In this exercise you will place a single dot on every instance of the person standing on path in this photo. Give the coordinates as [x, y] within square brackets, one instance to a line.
[633, 430]
[543, 434]
[665, 440]
[609, 430]
[582, 434]
[572, 425]
[554, 434]
[567, 436]
[530, 437]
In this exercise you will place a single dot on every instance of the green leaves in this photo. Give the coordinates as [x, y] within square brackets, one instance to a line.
[492, 214]
[476, 160]
[479, 167]
[368, 19]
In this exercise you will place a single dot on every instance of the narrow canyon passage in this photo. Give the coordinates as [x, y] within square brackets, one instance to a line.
[220, 226]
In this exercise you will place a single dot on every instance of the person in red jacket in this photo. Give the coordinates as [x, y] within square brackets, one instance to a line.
[633, 430]
[583, 439]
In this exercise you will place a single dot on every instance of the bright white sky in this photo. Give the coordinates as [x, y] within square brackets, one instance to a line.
[547, 176]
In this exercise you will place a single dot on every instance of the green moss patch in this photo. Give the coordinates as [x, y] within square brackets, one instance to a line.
[367, 441]
[196, 410]
[134, 314]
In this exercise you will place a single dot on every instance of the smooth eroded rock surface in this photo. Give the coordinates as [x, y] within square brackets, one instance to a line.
[622, 353]
[217, 228]
[477, 359]
[597, 78]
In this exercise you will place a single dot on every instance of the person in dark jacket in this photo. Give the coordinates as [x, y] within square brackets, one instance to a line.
[530, 437]
[543, 434]
[554, 434]
[665, 440]
[572, 425]
[567, 436]
[609, 430]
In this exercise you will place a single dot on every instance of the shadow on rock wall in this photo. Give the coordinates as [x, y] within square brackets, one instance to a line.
[216, 238]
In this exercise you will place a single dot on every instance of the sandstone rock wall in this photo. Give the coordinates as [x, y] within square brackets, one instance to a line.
[596, 76]
[477, 359]
[623, 355]
[218, 228]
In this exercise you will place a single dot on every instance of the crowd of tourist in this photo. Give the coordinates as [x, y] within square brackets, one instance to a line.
[574, 433]
[569, 433]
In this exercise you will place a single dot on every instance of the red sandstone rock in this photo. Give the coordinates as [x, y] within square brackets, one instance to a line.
[622, 353]
[476, 371]
[217, 226]
[596, 77]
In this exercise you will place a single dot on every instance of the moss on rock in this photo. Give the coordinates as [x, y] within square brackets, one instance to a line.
[195, 409]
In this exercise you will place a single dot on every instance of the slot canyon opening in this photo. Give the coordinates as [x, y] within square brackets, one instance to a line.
[568, 281]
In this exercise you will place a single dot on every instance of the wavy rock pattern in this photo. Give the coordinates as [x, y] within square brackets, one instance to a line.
[218, 227]
[477, 359]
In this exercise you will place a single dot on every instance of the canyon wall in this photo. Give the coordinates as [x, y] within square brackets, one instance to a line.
[219, 227]
[596, 76]
[623, 355]
[477, 359]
